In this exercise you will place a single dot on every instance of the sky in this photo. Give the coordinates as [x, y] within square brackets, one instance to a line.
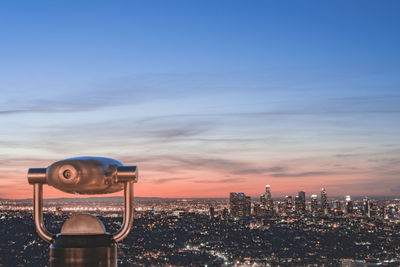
[205, 97]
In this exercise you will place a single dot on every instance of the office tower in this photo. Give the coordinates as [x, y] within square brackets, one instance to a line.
[314, 204]
[324, 201]
[288, 204]
[268, 192]
[225, 213]
[302, 202]
[266, 199]
[239, 204]
[367, 207]
[212, 212]
[297, 204]
[337, 206]
[259, 210]
[381, 212]
[234, 206]
[247, 206]
[348, 205]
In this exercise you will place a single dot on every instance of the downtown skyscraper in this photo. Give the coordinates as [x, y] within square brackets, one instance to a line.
[314, 204]
[300, 202]
[266, 199]
[239, 204]
[324, 201]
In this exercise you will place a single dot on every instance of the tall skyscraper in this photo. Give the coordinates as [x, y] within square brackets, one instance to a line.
[288, 204]
[301, 202]
[297, 204]
[225, 213]
[266, 199]
[259, 210]
[314, 204]
[337, 207]
[367, 207]
[324, 201]
[349, 205]
[239, 204]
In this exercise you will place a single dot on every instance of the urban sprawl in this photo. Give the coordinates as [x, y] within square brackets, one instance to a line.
[239, 231]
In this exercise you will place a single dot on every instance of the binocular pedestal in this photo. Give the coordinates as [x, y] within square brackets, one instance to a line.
[83, 251]
[83, 242]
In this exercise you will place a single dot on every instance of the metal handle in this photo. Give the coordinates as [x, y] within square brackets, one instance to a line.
[38, 213]
[118, 236]
[128, 213]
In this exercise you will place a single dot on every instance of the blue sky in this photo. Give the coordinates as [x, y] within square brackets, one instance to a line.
[207, 97]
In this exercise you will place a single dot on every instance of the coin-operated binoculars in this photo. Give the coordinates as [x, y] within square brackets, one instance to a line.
[83, 240]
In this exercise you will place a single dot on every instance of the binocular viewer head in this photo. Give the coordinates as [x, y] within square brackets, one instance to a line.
[85, 175]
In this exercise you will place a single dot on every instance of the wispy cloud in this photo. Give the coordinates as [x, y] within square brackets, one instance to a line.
[345, 155]
[167, 180]
[303, 174]
[190, 162]
[220, 181]
[259, 170]
[198, 180]
[315, 112]
[36, 110]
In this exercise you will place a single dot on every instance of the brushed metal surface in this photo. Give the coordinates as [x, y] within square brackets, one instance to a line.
[128, 213]
[37, 175]
[85, 175]
[38, 214]
[83, 251]
[127, 174]
[83, 224]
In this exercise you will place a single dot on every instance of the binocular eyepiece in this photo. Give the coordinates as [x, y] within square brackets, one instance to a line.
[85, 175]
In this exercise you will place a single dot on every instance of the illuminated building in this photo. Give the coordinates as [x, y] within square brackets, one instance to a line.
[324, 201]
[259, 210]
[314, 204]
[212, 212]
[266, 199]
[239, 204]
[348, 205]
[367, 207]
[225, 213]
[297, 204]
[300, 202]
[288, 204]
[337, 207]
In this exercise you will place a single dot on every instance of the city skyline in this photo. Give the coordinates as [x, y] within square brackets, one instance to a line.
[206, 98]
[267, 195]
[358, 233]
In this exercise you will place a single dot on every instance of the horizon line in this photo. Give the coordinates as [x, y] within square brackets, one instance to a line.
[182, 198]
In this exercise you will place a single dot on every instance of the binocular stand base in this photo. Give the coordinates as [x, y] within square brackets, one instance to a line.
[83, 250]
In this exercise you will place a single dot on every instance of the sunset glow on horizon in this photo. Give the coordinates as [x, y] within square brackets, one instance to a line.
[205, 97]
